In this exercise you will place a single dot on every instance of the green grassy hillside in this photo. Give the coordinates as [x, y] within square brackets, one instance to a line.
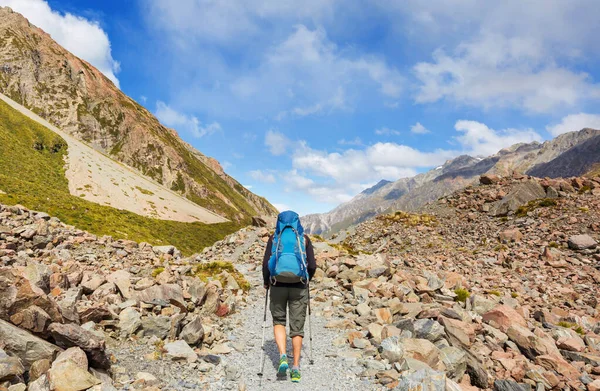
[32, 174]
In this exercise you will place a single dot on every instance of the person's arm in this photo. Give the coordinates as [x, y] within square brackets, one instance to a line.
[265, 265]
[311, 263]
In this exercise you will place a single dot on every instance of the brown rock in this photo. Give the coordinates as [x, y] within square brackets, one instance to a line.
[558, 364]
[38, 369]
[27, 347]
[33, 319]
[459, 333]
[69, 335]
[68, 376]
[502, 317]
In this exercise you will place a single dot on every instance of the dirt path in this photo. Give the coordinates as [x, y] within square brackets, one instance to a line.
[102, 180]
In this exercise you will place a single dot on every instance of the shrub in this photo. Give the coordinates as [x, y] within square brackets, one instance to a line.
[214, 270]
[462, 294]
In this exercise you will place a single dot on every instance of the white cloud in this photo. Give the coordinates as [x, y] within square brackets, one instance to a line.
[262, 176]
[143, 99]
[337, 176]
[479, 140]
[496, 72]
[182, 122]
[387, 132]
[575, 122]
[82, 37]
[276, 142]
[419, 129]
[356, 141]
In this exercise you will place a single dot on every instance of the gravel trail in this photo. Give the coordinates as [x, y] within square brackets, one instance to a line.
[333, 369]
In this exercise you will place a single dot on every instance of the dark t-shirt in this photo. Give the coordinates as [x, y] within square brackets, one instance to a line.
[311, 264]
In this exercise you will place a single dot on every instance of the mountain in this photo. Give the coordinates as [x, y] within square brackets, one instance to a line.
[73, 95]
[570, 154]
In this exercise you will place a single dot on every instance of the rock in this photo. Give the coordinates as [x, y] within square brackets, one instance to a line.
[391, 349]
[424, 351]
[428, 329]
[74, 354]
[591, 359]
[581, 242]
[480, 305]
[10, 366]
[17, 387]
[530, 344]
[21, 344]
[455, 360]
[511, 235]
[421, 380]
[129, 321]
[68, 376]
[509, 385]
[180, 350]
[211, 303]
[122, 279]
[32, 318]
[556, 363]
[91, 281]
[38, 275]
[594, 386]
[520, 195]
[38, 369]
[160, 294]
[193, 332]
[363, 309]
[459, 333]
[489, 179]
[146, 379]
[158, 326]
[69, 335]
[384, 315]
[502, 317]
[258, 221]
[167, 250]
[40, 384]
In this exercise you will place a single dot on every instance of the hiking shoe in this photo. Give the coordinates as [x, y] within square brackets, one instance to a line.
[295, 375]
[283, 366]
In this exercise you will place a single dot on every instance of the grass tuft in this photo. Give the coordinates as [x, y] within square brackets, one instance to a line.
[462, 294]
[213, 271]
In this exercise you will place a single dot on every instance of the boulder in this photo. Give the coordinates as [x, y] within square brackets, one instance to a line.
[129, 321]
[455, 360]
[68, 376]
[122, 279]
[530, 344]
[38, 369]
[91, 281]
[502, 317]
[510, 385]
[421, 380]
[424, 351]
[74, 354]
[29, 348]
[489, 179]
[520, 195]
[193, 332]
[157, 326]
[391, 349]
[180, 350]
[163, 295]
[38, 274]
[32, 318]
[69, 335]
[581, 242]
[10, 367]
[459, 333]
[428, 329]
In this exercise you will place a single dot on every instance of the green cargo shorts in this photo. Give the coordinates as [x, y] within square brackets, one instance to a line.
[294, 299]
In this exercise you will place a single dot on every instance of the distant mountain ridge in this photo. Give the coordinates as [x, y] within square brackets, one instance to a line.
[570, 154]
[73, 95]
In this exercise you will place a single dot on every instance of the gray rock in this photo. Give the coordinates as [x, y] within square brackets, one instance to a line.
[40, 384]
[193, 332]
[167, 293]
[129, 321]
[422, 380]
[428, 329]
[74, 354]
[455, 360]
[180, 350]
[391, 350]
[10, 366]
[520, 195]
[158, 326]
[170, 250]
[28, 348]
[582, 242]
[509, 385]
[69, 335]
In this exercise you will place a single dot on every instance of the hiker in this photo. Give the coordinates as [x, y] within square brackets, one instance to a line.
[288, 266]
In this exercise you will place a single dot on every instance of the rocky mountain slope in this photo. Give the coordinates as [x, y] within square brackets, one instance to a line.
[567, 155]
[80, 100]
[493, 287]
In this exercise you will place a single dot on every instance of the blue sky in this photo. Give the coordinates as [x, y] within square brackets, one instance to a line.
[308, 105]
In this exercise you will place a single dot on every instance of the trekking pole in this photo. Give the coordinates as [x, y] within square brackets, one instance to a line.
[262, 355]
[310, 358]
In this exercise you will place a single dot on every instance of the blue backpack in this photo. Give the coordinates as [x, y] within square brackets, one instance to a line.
[288, 254]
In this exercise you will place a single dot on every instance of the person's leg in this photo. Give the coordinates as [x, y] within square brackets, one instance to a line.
[297, 347]
[298, 302]
[279, 298]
